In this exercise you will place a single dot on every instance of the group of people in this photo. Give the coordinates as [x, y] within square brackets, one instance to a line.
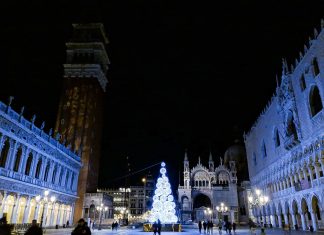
[114, 226]
[208, 227]
[157, 226]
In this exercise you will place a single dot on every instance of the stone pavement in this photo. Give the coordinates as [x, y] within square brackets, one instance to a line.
[186, 231]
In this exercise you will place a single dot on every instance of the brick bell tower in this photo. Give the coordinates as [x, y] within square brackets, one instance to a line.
[80, 114]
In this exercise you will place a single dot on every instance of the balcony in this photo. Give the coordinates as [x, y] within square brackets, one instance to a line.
[291, 142]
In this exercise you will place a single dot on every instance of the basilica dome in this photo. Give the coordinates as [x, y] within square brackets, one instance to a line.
[235, 152]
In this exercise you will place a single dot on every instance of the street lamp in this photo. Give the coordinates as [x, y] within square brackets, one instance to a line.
[101, 209]
[221, 209]
[208, 212]
[144, 202]
[257, 199]
[45, 199]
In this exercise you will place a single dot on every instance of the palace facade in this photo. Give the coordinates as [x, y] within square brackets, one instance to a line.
[32, 162]
[285, 147]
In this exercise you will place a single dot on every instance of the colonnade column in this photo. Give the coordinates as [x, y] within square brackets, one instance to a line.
[26, 211]
[302, 215]
[279, 221]
[4, 199]
[36, 214]
[15, 210]
[286, 218]
[314, 220]
[272, 220]
[72, 213]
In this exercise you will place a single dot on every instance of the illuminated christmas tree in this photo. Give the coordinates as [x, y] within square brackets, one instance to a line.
[163, 201]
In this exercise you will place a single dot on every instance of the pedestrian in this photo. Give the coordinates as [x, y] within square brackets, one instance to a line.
[155, 228]
[113, 226]
[5, 229]
[220, 226]
[67, 223]
[234, 227]
[116, 225]
[208, 227]
[205, 226]
[159, 225]
[199, 226]
[34, 229]
[311, 229]
[229, 226]
[211, 225]
[81, 228]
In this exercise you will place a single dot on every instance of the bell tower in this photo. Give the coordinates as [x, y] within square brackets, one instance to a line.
[186, 172]
[211, 162]
[80, 114]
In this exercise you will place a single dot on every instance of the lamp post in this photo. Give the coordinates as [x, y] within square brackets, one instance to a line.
[208, 211]
[221, 209]
[45, 202]
[144, 201]
[257, 199]
[101, 209]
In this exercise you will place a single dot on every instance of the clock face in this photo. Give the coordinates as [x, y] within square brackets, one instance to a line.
[186, 174]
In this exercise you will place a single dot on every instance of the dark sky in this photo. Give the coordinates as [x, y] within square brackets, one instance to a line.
[183, 74]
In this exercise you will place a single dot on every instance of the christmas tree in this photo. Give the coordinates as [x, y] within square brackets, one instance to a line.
[163, 204]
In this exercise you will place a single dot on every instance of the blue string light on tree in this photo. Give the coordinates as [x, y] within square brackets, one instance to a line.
[163, 202]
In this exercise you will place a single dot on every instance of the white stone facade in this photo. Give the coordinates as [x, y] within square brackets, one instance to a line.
[285, 145]
[32, 161]
[207, 188]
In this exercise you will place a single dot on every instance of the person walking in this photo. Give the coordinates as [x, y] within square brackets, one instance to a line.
[199, 226]
[234, 227]
[210, 225]
[34, 229]
[159, 226]
[155, 228]
[81, 228]
[205, 226]
[220, 226]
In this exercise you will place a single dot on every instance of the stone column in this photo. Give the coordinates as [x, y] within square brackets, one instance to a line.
[314, 222]
[36, 215]
[286, 218]
[15, 210]
[279, 221]
[64, 215]
[272, 220]
[72, 213]
[302, 215]
[10, 157]
[2, 205]
[13, 156]
[58, 218]
[26, 211]
[293, 218]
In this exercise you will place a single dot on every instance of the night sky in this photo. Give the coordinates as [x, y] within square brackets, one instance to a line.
[183, 75]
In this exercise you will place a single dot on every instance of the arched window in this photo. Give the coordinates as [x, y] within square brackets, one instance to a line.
[315, 67]
[4, 153]
[264, 150]
[38, 168]
[315, 101]
[302, 83]
[46, 172]
[28, 164]
[254, 159]
[54, 175]
[18, 159]
[276, 138]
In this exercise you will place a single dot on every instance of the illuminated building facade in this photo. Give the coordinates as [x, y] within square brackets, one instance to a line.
[79, 119]
[32, 162]
[285, 145]
[208, 187]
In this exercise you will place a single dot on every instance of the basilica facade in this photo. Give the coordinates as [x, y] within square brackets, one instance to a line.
[285, 145]
[204, 189]
[32, 162]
